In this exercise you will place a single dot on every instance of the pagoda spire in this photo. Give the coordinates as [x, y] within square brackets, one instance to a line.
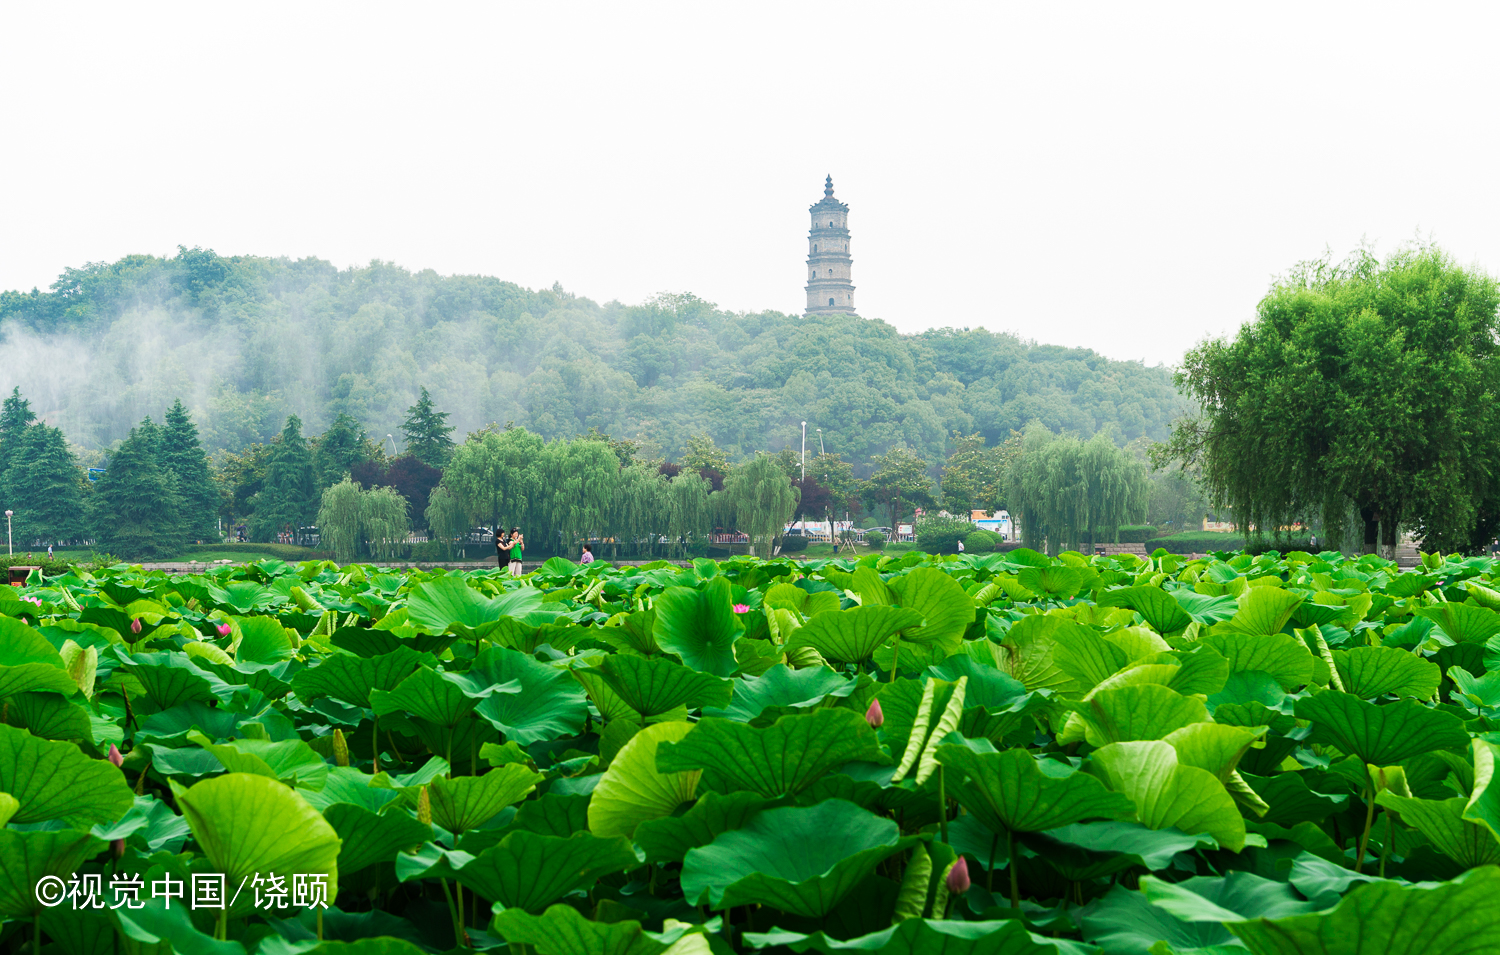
[829, 289]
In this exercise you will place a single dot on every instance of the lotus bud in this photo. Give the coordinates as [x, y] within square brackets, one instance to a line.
[875, 716]
[135, 625]
[958, 877]
[424, 807]
[223, 629]
[741, 608]
[115, 756]
[340, 748]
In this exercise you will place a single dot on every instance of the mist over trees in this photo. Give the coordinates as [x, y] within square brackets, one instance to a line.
[247, 342]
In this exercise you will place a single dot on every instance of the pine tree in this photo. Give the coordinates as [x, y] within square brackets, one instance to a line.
[136, 510]
[182, 454]
[288, 500]
[340, 448]
[43, 485]
[426, 433]
[15, 417]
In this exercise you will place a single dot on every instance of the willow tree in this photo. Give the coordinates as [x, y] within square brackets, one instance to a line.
[581, 476]
[339, 520]
[763, 501]
[1361, 385]
[385, 521]
[493, 475]
[690, 516]
[1066, 492]
[637, 507]
[447, 519]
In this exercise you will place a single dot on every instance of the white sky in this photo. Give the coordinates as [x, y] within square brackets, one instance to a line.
[1119, 176]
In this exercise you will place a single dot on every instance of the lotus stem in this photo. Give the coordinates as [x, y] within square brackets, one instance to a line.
[375, 744]
[1390, 837]
[458, 931]
[989, 876]
[1015, 879]
[1364, 839]
[895, 656]
[942, 805]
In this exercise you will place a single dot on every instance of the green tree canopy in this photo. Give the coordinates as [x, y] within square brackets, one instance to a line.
[426, 430]
[288, 499]
[339, 449]
[1066, 492]
[900, 477]
[136, 511]
[762, 500]
[1360, 385]
[43, 485]
[974, 475]
[182, 454]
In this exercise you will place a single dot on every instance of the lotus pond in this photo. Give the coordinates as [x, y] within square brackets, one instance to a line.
[990, 753]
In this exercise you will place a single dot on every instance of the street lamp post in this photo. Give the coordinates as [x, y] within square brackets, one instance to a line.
[392, 440]
[9, 548]
[804, 450]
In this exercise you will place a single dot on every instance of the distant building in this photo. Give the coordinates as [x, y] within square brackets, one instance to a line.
[999, 522]
[829, 289]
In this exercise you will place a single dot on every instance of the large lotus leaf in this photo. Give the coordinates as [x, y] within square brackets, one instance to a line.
[1442, 822]
[292, 761]
[1458, 917]
[1380, 735]
[669, 838]
[561, 930]
[781, 759]
[247, 824]
[1292, 801]
[434, 695]
[1084, 655]
[1263, 610]
[53, 716]
[1030, 649]
[1375, 671]
[29, 663]
[853, 635]
[1009, 791]
[55, 780]
[807, 603]
[350, 678]
[803, 861]
[1214, 747]
[946, 609]
[1282, 655]
[530, 871]
[468, 802]
[699, 626]
[1206, 609]
[1463, 623]
[1167, 793]
[1484, 799]
[173, 678]
[1144, 711]
[927, 937]
[8, 806]
[366, 837]
[1186, 915]
[1056, 581]
[632, 791]
[1090, 850]
[871, 587]
[445, 603]
[780, 686]
[547, 705]
[612, 707]
[1164, 614]
[27, 857]
[654, 686]
[263, 640]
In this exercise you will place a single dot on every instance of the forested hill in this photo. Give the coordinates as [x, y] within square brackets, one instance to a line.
[246, 341]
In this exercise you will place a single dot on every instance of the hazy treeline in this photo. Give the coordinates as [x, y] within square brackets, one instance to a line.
[246, 341]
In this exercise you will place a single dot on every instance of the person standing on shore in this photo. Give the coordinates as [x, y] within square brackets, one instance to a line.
[517, 542]
[502, 548]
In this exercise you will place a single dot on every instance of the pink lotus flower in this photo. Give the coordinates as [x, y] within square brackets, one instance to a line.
[135, 625]
[741, 608]
[875, 716]
[33, 600]
[958, 877]
[223, 629]
[115, 756]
